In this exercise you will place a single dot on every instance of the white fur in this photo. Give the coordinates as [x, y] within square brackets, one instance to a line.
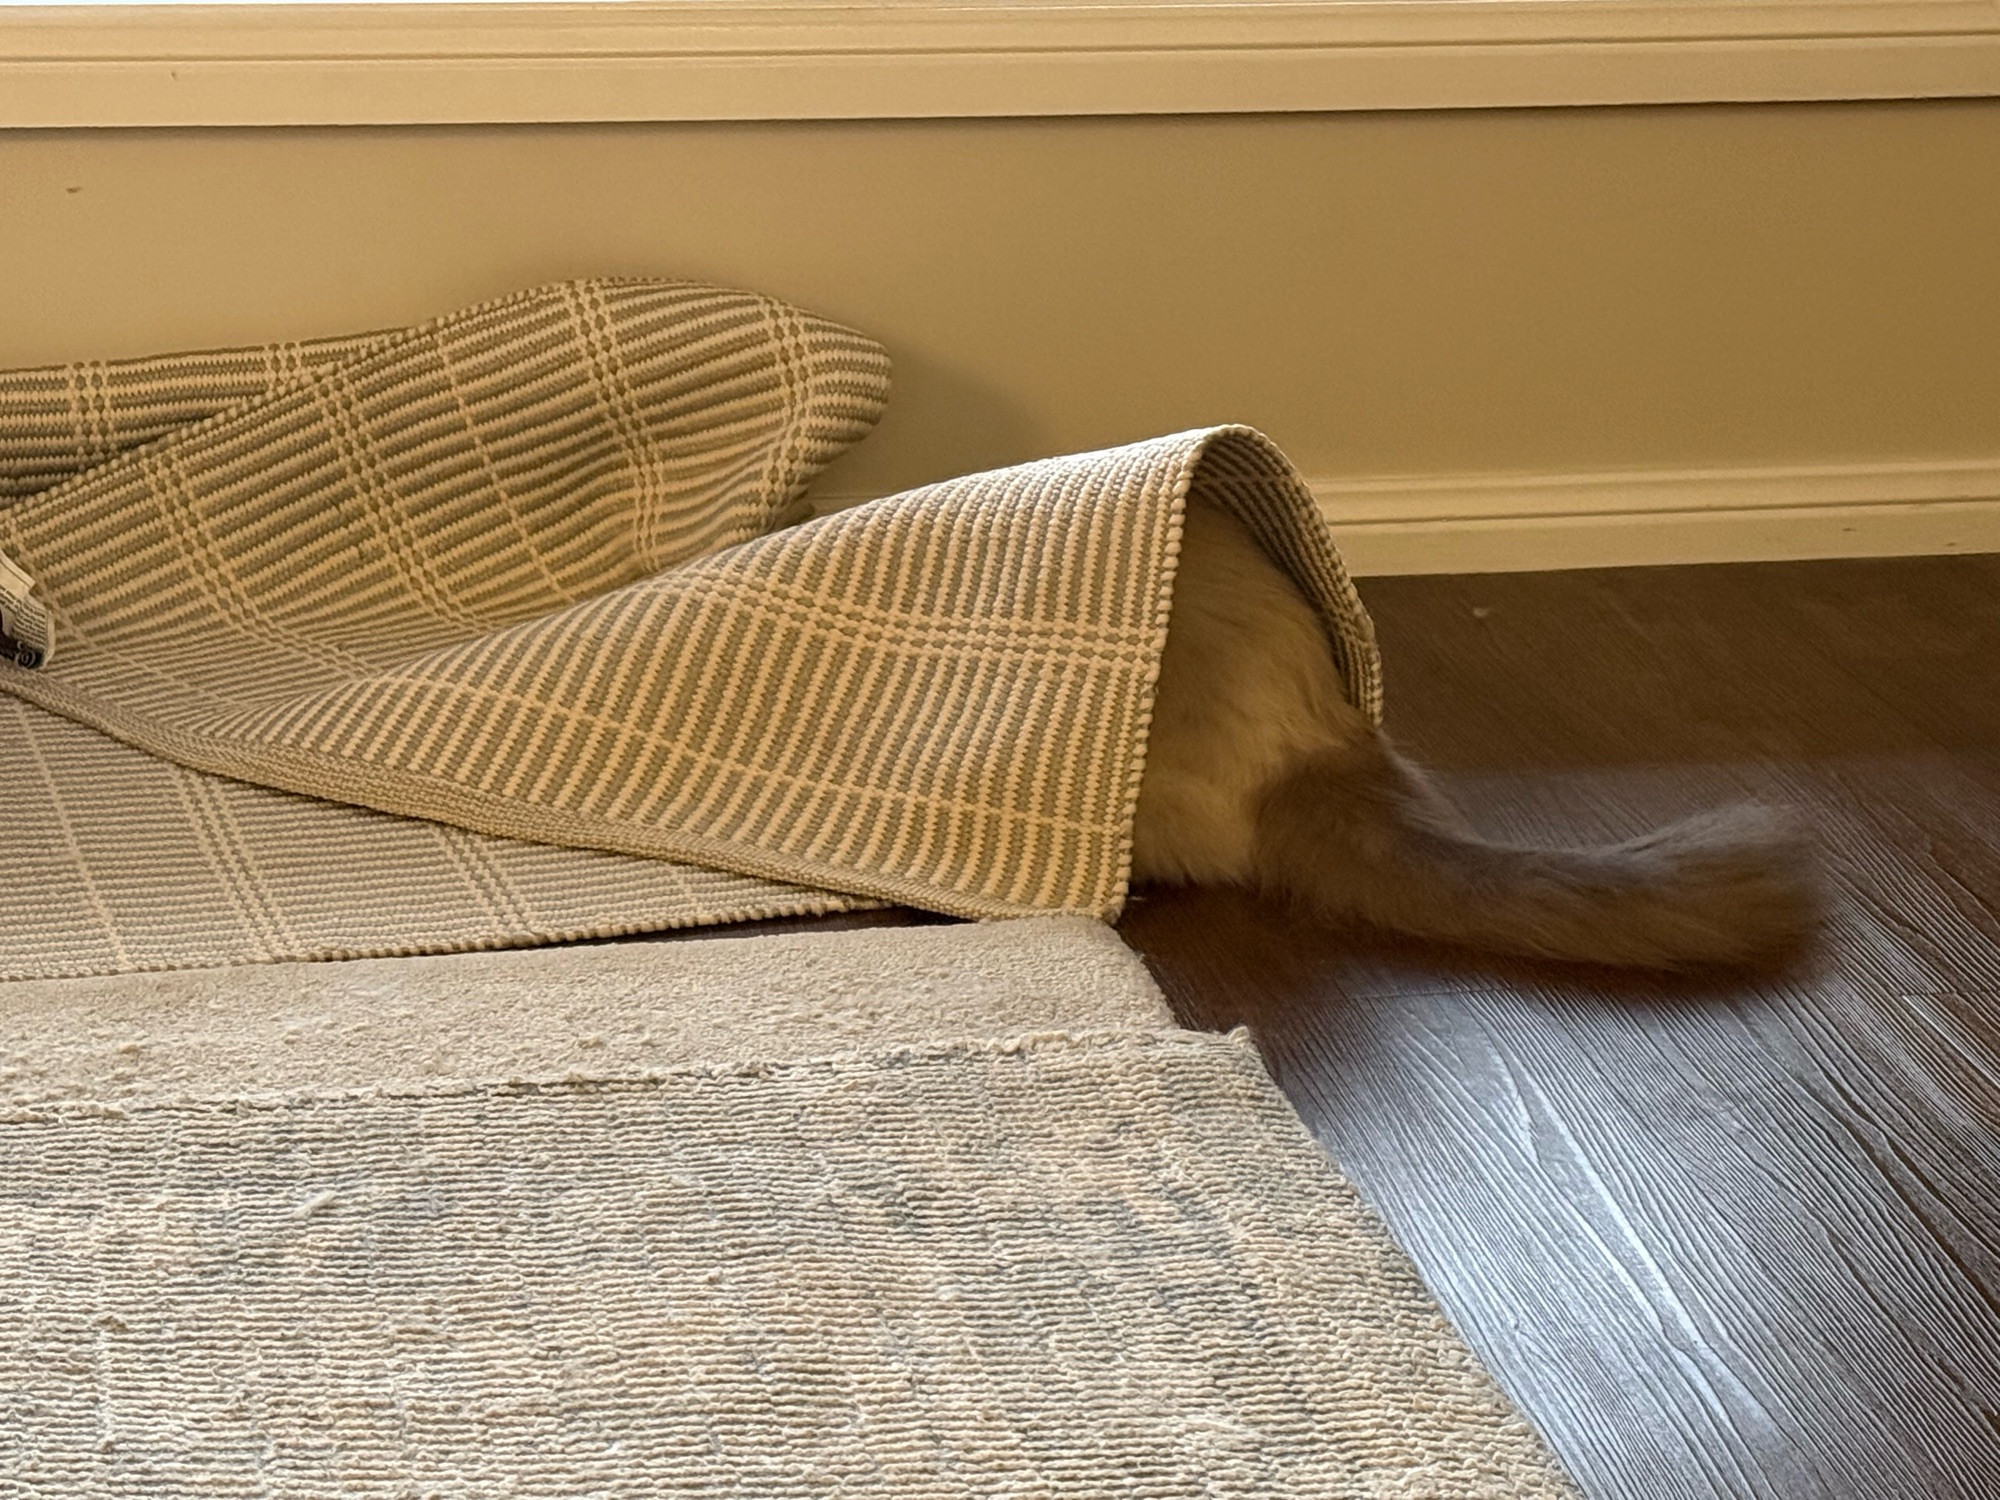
[1247, 686]
[1260, 772]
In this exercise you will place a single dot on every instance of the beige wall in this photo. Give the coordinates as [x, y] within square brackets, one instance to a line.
[1385, 294]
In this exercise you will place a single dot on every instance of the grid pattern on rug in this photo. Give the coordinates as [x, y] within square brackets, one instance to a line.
[120, 861]
[503, 571]
[1077, 1265]
[58, 421]
[117, 861]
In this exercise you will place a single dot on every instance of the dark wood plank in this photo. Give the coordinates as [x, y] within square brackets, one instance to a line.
[1735, 1236]
[1728, 1237]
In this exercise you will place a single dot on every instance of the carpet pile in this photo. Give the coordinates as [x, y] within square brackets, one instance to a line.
[764, 1216]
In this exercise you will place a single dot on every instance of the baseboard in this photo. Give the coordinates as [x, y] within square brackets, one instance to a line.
[124, 64]
[1521, 522]
[1503, 523]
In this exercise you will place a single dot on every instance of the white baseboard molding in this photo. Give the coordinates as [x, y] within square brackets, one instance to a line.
[1534, 522]
[1523, 522]
[175, 64]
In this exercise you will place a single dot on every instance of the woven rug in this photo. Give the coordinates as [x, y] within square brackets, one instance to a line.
[498, 631]
[765, 1216]
[491, 631]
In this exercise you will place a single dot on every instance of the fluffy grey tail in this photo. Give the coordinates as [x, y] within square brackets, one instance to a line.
[1359, 833]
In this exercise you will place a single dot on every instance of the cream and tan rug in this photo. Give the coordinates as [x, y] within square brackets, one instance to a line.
[494, 632]
[762, 1217]
[514, 572]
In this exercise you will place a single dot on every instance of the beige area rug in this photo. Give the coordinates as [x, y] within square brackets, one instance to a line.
[494, 632]
[761, 1217]
[523, 573]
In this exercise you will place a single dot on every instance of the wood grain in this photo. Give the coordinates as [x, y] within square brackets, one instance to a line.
[1726, 1237]
[1736, 1236]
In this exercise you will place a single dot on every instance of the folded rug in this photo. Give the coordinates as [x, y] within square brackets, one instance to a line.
[773, 1217]
[513, 573]
[481, 634]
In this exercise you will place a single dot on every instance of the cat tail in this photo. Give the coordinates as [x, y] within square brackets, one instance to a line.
[1358, 832]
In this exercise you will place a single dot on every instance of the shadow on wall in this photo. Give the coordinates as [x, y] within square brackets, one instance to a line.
[945, 421]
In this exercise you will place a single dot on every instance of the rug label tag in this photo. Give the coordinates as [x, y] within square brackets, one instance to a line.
[26, 635]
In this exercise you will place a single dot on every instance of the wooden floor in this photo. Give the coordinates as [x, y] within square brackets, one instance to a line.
[1734, 1238]
[1731, 1238]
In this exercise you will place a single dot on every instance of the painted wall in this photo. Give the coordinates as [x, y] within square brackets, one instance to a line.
[1414, 293]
